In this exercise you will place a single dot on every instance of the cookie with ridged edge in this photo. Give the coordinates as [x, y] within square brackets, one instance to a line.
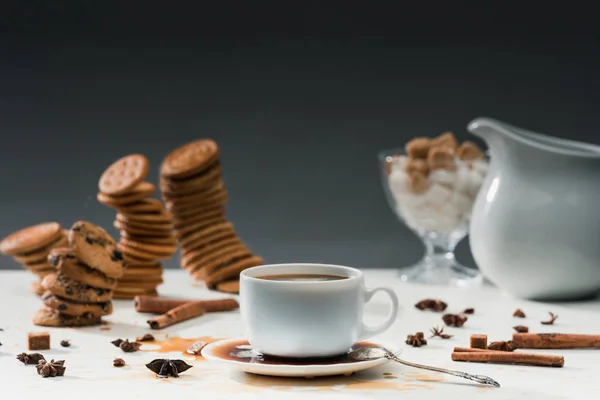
[232, 270]
[218, 199]
[142, 229]
[31, 238]
[41, 254]
[195, 198]
[162, 217]
[131, 292]
[143, 254]
[124, 174]
[139, 192]
[202, 215]
[71, 289]
[169, 240]
[194, 263]
[231, 287]
[66, 263]
[194, 184]
[73, 308]
[207, 248]
[189, 159]
[96, 248]
[201, 270]
[159, 250]
[198, 226]
[206, 232]
[213, 237]
[52, 318]
[143, 206]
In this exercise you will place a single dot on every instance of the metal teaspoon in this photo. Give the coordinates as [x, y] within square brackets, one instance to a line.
[372, 353]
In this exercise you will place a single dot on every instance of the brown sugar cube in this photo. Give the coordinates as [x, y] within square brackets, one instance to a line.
[418, 147]
[446, 139]
[417, 165]
[441, 158]
[39, 341]
[469, 151]
[417, 182]
[479, 341]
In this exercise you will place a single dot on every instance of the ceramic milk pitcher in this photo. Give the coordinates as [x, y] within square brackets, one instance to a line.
[535, 227]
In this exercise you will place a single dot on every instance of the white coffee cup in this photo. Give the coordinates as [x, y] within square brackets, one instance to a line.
[288, 318]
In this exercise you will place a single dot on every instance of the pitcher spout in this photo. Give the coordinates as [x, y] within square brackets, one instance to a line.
[499, 134]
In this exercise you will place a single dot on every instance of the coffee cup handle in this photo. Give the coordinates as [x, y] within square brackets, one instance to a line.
[368, 331]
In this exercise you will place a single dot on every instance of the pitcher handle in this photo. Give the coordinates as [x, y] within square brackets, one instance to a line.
[368, 331]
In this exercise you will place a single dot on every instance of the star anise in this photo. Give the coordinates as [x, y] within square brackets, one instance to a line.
[521, 329]
[126, 345]
[503, 346]
[469, 311]
[431, 304]
[146, 338]
[51, 369]
[551, 320]
[416, 340]
[163, 367]
[519, 313]
[118, 362]
[31, 358]
[457, 320]
[439, 332]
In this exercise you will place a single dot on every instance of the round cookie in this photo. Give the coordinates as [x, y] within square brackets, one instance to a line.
[214, 253]
[138, 261]
[196, 198]
[231, 287]
[142, 273]
[38, 256]
[96, 248]
[196, 237]
[124, 174]
[142, 229]
[145, 282]
[190, 228]
[52, 318]
[165, 240]
[189, 159]
[68, 265]
[195, 184]
[201, 251]
[216, 200]
[232, 270]
[157, 250]
[202, 269]
[139, 192]
[68, 288]
[69, 307]
[205, 214]
[142, 254]
[163, 217]
[212, 238]
[31, 238]
[143, 206]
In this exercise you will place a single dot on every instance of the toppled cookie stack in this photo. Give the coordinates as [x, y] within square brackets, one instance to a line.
[30, 247]
[146, 227]
[79, 293]
[191, 185]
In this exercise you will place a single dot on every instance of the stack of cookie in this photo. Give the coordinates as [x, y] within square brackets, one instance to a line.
[30, 247]
[80, 290]
[193, 190]
[146, 227]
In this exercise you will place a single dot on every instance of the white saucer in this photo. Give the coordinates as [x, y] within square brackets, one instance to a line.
[210, 352]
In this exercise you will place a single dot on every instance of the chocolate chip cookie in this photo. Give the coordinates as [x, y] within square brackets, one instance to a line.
[71, 289]
[95, 248]
[73, 308]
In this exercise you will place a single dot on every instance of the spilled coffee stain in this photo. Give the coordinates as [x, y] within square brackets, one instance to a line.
[390, 377]
[425, 377]
[176, 344]
[326, 384]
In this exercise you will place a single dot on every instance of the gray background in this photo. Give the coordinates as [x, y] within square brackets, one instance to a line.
[299, 100]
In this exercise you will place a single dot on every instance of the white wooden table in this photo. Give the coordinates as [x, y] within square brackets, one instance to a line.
[90, 373]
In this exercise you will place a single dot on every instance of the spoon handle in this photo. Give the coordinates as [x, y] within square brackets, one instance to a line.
[477, 378]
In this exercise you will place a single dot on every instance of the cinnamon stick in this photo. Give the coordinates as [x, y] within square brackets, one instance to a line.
[178, 314]
[556, 340]
[160, 305]
[540, 360]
